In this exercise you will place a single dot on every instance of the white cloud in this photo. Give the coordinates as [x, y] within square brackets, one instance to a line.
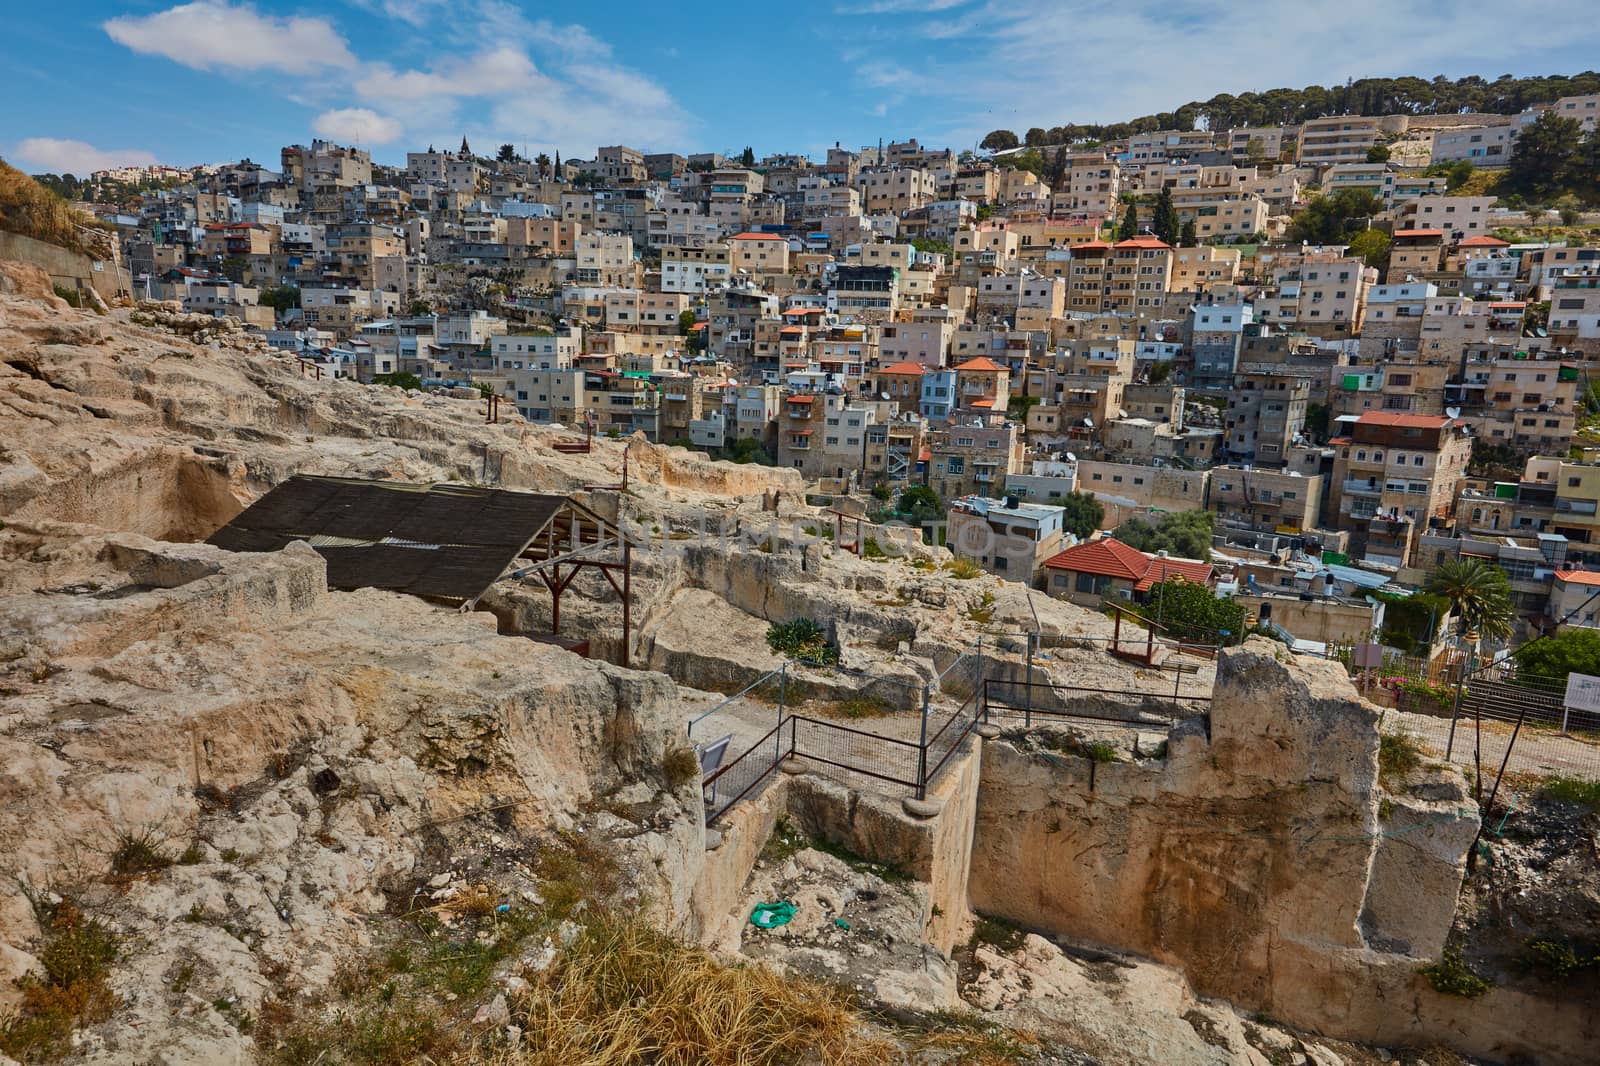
[1019, 60]
[898, 7]
[53, 156]
[359, 125]
[500, 75]
[213, 34]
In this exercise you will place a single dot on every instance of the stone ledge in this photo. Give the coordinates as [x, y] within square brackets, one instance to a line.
[922, 808]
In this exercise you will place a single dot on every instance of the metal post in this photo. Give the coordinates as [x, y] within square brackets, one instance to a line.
[922, 749]
[777, 740]
[978, 697]
[1455, 713]
[1472, 852]
[1027, 686]
[627, 592]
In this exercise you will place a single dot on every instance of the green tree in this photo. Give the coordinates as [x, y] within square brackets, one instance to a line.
[542, 161]
[418, 309]
[747, 157]
[1317, 420]
[999, 141]
[1545, 156]
[1191, 612]
[1166, 223]
[1573, 651]
[1335, 219]
[507, 153]
[1479, 592]
[1569, 209]
[1130, 223]
[1255, 151]
[280, 298]
[403, 379]
[234, 268]
[930, 244]
[1372, 245]
[1189, 235]
[919, 505]
[1182, 533]
[1378, 154]
[1082, 514]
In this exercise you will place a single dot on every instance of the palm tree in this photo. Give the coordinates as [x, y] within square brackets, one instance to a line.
[1480, 593]
[543, 162]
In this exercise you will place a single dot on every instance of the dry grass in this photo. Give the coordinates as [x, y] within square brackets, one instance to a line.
[28, 208]
[681, 765]
[625, 993]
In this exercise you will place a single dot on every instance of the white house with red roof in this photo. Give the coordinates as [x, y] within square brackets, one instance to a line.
[1105, 569]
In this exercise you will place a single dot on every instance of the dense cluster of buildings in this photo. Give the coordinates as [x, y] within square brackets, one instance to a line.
[900, 316]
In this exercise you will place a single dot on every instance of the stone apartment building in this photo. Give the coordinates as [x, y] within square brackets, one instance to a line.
[1005, 536]
[1339, 139]
[970, 458]
[1266, 501]
[824, 434]
[1265, 416]
[1394, 476]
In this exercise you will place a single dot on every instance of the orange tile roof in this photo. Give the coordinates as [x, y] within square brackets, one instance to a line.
[1141, 242]
[1485, 241]
[802, 399]
[1419, 233]
[981, 403]
[1396, 418]
[907, 367]
[982, 362]
[1579, 577]
[792, 329]
[753, 236]
[1091, 244]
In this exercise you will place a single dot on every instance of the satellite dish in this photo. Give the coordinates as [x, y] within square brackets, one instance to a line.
[1453, 412]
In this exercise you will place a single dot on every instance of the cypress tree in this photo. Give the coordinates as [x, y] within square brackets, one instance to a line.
[1166, 218]
[1130, 223]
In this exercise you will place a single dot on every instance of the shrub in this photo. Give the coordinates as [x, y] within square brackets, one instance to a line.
[871, 549]
[1451, 976]
[1557, 960]
[803, 639]
[681, 766]
[1101, 751]
[983, 611]
[137, 854]
[76, 958]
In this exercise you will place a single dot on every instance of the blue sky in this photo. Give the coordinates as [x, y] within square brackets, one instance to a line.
[92, 84]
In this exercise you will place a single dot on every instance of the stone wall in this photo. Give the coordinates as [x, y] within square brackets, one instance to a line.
[69, 269]
[1263, 859]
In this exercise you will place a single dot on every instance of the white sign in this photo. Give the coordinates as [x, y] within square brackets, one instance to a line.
[1583, 692]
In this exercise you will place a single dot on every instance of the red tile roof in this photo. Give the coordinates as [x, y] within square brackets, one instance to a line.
[1109, 557]
[802, 399]
[1105, 557]
[981, 403]
[1579, 577]
[753, 236]
[1485, 241]
[1167, 569]
[792, 329]
[982, 362]
[907, 367]
[1396, 418]
[1141, 242]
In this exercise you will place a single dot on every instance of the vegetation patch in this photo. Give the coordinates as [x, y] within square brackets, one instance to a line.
[1399, 755]
[139, 853]
[1573, 790]
[1557, 960]
[76, 958]
[802, 639]
[963, 569]
[1451, 976]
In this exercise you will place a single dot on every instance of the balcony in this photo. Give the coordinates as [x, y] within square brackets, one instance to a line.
[1362, 488]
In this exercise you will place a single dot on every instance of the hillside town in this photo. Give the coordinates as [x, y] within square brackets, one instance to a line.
[1149, 322]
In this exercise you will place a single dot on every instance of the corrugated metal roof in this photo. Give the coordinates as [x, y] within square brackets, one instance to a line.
[446, 541]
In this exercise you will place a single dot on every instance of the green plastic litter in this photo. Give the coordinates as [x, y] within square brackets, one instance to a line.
[841, 923]
[772, 915]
